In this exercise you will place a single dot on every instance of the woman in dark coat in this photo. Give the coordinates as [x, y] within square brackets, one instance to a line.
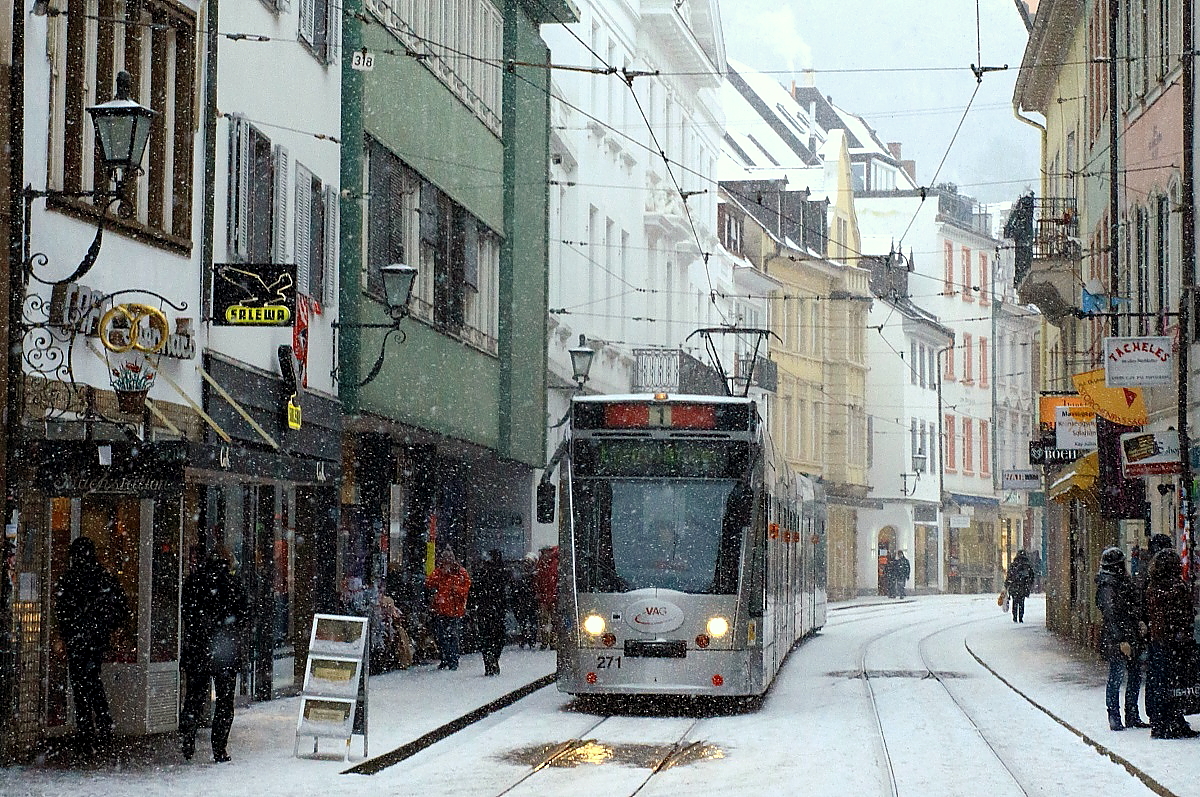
[213, 609]
[1120, 641]
[491, 599]
[1170, 616]
[1019, 581]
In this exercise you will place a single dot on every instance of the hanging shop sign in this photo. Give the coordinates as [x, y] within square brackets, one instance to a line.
[1139, 362]
[254, 294]
[1150, 453]
[84, 309]
[1020, 480]
[1075, 427]
[1121, 405]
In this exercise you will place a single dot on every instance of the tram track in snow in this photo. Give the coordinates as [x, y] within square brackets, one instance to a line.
[867, 675]
[594, 743]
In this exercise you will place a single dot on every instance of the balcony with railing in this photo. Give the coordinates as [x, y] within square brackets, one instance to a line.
[674, 371]
[1048, 253]
[759, 372]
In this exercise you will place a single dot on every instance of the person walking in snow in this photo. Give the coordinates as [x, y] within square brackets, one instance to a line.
[1158, 542]
[213, 610]
[524, 602]
[491, 591]
[901, 570]
[545, 587]
[90, 605]
[451, 584]
[1019, 582]
[1120, 641]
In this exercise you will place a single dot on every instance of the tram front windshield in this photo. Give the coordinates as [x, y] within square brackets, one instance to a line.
[675, 533]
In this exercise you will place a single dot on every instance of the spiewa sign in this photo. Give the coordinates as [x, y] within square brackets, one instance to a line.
[254, 294]
[1139, 361]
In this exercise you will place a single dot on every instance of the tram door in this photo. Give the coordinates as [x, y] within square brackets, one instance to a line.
[887, 544]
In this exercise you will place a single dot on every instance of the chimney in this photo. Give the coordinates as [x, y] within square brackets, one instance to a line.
[911, 168]
[894, 149]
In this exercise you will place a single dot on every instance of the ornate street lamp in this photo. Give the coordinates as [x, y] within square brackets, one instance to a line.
[397, 290]
[122, 129]
[581, 362]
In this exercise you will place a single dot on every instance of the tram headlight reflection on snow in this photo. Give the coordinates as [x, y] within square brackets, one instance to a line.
[717, 627]
[593, 624]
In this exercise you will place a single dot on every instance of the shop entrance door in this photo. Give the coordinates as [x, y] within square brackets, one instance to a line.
[137, 539]
[887, 542]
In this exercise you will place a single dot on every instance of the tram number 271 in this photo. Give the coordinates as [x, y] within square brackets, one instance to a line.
[608, 662]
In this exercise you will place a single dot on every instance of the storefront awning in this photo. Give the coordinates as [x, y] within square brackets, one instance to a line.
[1080, 477]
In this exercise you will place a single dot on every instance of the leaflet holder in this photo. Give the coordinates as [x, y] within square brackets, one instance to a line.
[335, 682]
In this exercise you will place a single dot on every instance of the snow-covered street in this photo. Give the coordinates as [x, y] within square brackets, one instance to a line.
[930, 696]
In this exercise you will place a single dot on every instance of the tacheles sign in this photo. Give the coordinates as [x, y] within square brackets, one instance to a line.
[1139, 361]
[254, 294]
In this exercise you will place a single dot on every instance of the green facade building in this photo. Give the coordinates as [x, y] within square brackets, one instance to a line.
[445, 132]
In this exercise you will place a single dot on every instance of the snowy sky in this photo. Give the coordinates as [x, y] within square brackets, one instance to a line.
[927, 48]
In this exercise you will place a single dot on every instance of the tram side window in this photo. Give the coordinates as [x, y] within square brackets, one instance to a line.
[755, 591]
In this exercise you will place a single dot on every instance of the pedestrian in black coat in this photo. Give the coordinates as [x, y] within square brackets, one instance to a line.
[90, 606]
[491, 588]
[213, 610]
[1171, 618]
[1019, 582]
[1120, 639]
[523, 600]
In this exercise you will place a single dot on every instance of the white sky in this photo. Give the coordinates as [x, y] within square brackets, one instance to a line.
[994, 158]
[815, 734]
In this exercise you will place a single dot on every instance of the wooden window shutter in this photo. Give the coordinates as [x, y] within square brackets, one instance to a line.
[303, 229]
[331, 246]
[429, 214]
[308, 21]
[279, 234]
[239, 187]
[333, 27]
[471, 252]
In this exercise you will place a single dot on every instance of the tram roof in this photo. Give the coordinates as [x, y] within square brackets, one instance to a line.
[672, 398]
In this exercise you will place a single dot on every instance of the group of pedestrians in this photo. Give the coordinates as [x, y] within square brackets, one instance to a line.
[92, 609]
[896, 571]
[1147, 621]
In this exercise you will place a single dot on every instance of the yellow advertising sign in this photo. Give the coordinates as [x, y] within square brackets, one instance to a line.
[1048, 409]
[294, 417]
[1123, 405]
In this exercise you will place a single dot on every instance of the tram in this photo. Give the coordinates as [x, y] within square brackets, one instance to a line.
[691, 560]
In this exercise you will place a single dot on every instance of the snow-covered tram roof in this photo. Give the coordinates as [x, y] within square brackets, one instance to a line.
[670, 398]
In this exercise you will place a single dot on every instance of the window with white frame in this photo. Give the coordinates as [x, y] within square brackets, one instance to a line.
[88, 43]
[316, 237]
[392, 216]
[258, 195]
[459, 270]
[320, 28]
[439, 31]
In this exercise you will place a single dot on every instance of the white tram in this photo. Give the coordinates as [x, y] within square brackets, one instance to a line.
[690, 559]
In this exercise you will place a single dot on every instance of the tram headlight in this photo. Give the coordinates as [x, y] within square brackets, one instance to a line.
[593, 624]
[717, 627]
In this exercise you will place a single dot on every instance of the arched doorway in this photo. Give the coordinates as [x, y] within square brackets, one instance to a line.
[884, 548]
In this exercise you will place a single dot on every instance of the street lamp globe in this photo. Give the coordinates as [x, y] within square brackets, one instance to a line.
[397, 287]
[122, 127]
[581, 361]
